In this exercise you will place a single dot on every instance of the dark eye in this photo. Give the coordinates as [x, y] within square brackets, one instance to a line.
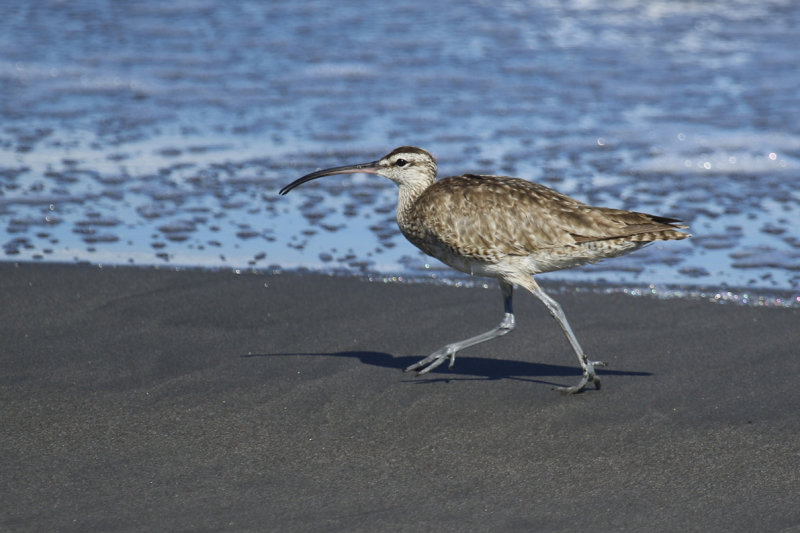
[401, 162]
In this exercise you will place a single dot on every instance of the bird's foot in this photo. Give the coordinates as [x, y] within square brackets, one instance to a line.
[589, 375]
[434, 360]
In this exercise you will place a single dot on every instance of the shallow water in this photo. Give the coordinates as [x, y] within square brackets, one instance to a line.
[142, 133]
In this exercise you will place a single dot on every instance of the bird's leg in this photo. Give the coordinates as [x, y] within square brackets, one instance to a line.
[561, 318]
[449, 351]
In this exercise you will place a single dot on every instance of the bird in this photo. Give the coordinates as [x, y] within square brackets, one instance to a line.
[506, 228]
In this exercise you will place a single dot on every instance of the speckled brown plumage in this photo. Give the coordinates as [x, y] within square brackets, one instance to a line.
[505, 228]
[489, 218]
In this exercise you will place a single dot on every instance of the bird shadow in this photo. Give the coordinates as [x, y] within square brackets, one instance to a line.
[466, 368]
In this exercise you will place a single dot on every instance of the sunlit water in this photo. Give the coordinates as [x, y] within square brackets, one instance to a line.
[159, 133]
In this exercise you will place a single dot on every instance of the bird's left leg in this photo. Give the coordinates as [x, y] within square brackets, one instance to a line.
[587, 366]
[449, 351]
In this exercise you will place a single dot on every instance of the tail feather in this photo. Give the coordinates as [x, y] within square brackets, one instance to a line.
[663, 235]
[642, 227]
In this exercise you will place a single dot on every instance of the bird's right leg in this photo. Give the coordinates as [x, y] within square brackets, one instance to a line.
[588, 367]
[449, 351]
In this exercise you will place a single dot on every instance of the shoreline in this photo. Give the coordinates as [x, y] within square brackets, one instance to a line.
[139, 398]
[746, 296]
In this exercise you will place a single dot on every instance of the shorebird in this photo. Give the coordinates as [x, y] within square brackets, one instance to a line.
[504, 228]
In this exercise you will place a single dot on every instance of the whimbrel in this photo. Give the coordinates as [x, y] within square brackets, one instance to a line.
[505, 228]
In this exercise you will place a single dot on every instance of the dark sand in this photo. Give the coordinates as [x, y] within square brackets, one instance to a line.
[151, 400]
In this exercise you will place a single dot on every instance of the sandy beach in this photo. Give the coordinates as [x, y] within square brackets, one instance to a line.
[152, 400]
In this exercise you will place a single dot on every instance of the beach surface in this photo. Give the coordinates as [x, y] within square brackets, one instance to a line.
[158, 400]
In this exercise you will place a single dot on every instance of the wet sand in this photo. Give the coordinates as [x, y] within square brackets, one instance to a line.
[145, 400]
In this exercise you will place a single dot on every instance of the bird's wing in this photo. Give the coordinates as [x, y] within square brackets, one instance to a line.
[488, 215]
[616, 223]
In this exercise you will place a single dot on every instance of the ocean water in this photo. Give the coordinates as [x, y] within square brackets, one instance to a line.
[159, 133]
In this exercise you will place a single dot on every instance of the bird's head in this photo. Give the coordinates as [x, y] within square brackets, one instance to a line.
[407, 166]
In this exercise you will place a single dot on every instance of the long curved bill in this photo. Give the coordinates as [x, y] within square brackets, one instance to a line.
[368, 168]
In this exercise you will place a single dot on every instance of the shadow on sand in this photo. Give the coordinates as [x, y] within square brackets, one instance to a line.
[466, 368]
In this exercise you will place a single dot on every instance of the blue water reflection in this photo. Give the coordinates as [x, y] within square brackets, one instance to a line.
[151, 133]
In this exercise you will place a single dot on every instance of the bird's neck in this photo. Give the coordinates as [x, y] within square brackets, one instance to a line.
[407, 196]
